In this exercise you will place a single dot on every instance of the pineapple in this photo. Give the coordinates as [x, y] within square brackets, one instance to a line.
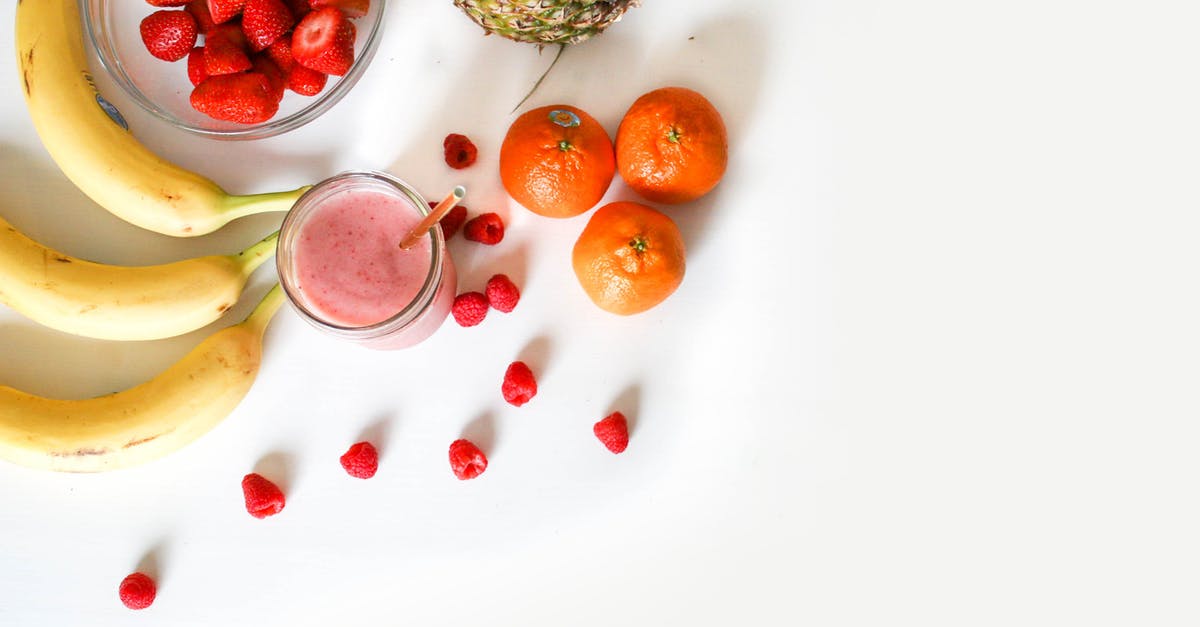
[545, 22]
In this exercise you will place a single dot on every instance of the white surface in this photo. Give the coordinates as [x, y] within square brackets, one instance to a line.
[933, 363]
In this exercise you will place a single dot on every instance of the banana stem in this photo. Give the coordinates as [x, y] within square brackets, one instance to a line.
[234, 207]
[258, 319]
[254, 256]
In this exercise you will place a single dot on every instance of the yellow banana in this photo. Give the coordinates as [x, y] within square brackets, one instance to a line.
[145, 422]
[99, 154]
[121, 302]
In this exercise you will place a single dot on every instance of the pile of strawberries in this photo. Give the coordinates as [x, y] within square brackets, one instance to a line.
[253, 50]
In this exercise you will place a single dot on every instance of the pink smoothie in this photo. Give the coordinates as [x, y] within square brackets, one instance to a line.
[350, 269]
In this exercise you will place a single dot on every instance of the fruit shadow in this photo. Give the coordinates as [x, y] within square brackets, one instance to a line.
[482, 432]
[536, 355]
[476, 264]
[279, 467]
[628, 402]
[152, 561]
[377, 432]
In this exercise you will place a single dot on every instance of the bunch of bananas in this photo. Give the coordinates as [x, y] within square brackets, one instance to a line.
[103, 159]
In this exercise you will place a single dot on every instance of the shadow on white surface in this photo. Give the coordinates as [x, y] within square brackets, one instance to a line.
[482, 432]
[279, 467]
[628, 402]
[378, 432]
[536, 355]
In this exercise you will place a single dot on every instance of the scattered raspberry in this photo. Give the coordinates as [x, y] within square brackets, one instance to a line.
[361, 461]
[469, 309]
[519, 385]
[263, 498]
[502, 293]
[466, 460]
[459, 151]
[169, 35]
[485, 228]
[137, 591]
[452, 221]
[613, 432]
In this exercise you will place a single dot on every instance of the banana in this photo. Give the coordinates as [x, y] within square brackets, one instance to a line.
[145, 422]
[121, 302]
[97, 152]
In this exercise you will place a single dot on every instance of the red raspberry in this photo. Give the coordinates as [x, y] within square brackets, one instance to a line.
[466, 460]
[459, 152]
[613, 432]
[469, 309]
[452, 221]
[137, 591]
[502, 293]
[519, 385]
[485, 228]
[263, 498]
[361, 461]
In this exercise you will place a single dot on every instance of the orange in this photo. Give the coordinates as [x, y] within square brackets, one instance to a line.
[672, 146]
[629, 257]
[557, 161]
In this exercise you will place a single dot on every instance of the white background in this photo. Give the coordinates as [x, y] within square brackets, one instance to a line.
[934, 361]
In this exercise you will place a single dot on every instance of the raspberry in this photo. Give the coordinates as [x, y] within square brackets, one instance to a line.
[466, 460]
[361, 461]
[469, 309]
[459, 152]
[502, 293]
[263, 498]
[137, 591]
[452, 221]
[519, 385]
[613, 432]
[486, 228]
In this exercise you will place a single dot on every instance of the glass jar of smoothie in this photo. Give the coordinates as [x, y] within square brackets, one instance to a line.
[341, 265]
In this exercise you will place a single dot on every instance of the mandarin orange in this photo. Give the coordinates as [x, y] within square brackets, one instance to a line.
[629, 257]
[557, 161]
[672, 146]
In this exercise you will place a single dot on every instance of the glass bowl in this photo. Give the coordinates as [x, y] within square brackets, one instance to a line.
[163, 88]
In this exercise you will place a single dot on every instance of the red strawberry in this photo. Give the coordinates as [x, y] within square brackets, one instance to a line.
[264, 21]
[195, 62]
[352, 8]
[225, 50]
[225, 10]
[275, 77]
[169, 35]
[305, 81]
[613, 432]
[324, 41]
[281, 53]
[246, 98]
[167, 3]
[299, 8]
[199, 10]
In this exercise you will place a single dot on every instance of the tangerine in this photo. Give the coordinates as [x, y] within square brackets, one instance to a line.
[557, 161]
[672, 146]
[629, 257]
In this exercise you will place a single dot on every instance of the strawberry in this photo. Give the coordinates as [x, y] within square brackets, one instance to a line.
[324, 41]
[225, 50]
[264, 21]
[246, 98]
[305, 81]
[281, 53]
[299, 8]
[276, 79]
[199, 10]
[167, 3]
[169, 35]
[224, 10]
[195, 62]
[352, 8]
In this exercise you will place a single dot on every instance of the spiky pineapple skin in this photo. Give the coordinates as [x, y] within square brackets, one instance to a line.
[545, 22]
